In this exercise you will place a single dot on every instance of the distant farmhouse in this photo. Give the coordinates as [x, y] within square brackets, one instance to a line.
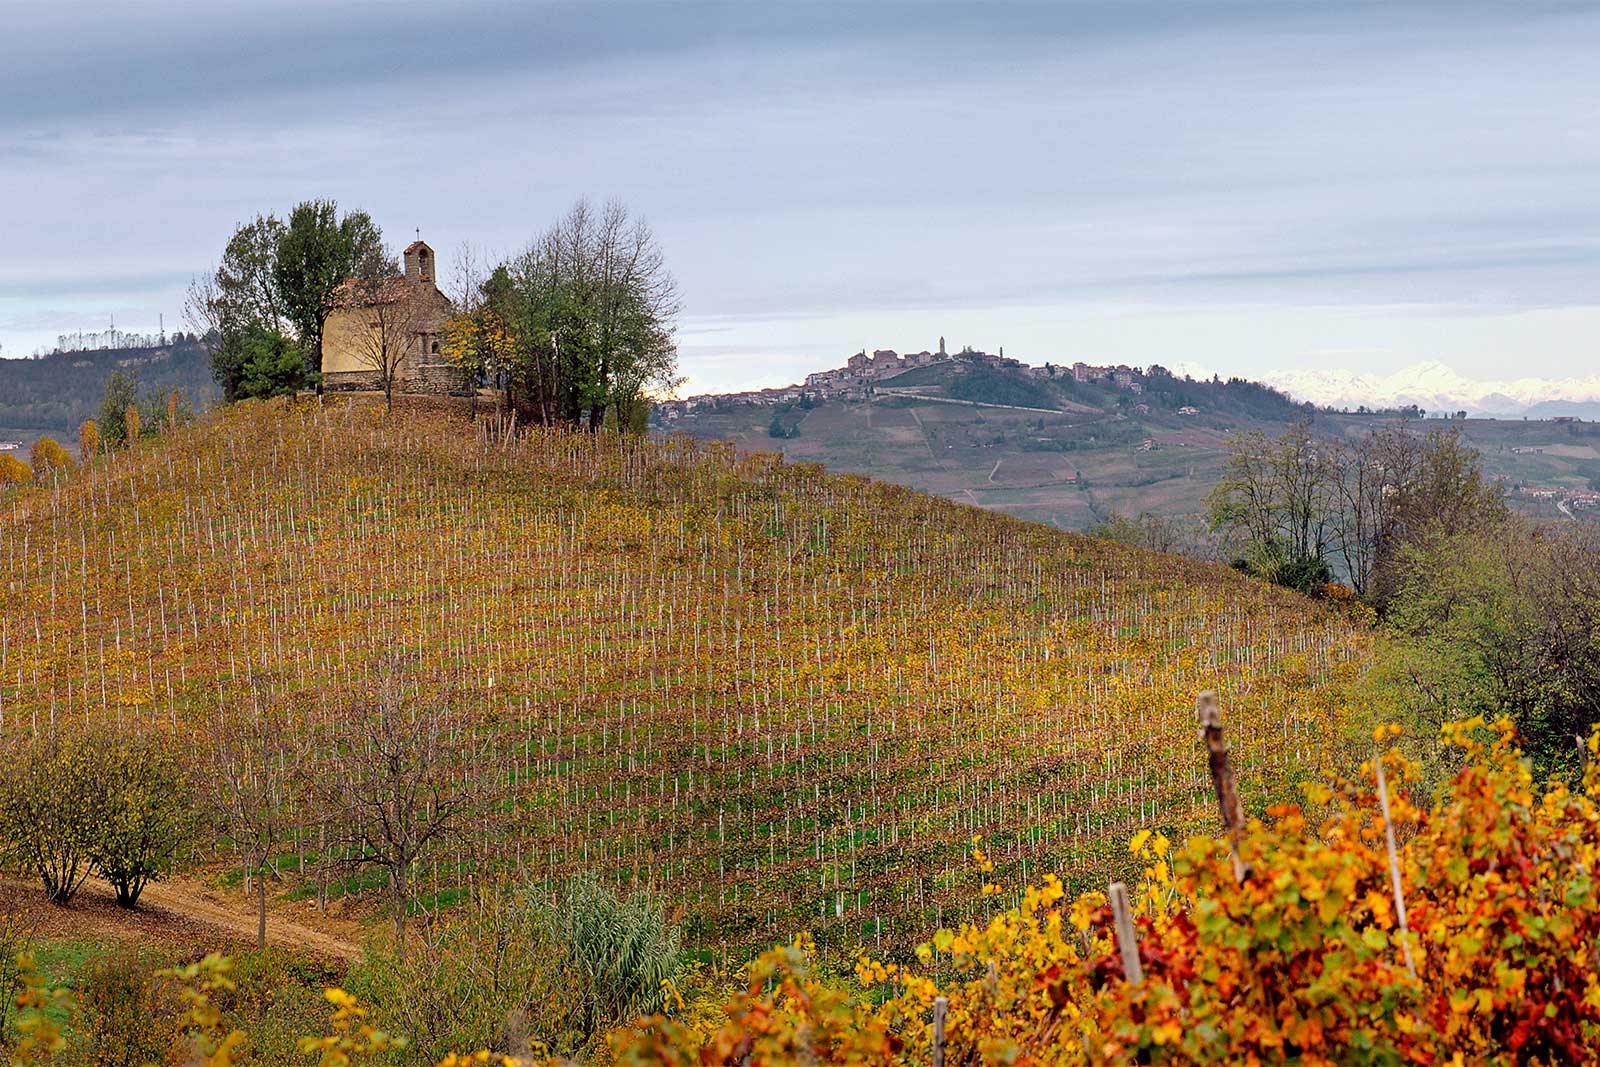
[362, 309]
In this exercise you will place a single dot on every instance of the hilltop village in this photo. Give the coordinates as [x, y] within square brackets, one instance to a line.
[865, 371]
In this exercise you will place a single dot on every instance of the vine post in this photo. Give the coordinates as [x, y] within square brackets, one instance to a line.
[1394, 865]
[1126, 944]
[1222, 777]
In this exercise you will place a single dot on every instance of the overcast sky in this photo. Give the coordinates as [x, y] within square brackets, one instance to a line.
[1246, 188]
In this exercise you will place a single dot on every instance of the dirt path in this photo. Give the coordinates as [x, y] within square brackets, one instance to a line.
[182, 910]
[319, 935]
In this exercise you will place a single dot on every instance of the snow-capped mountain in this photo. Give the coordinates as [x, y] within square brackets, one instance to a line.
[1436, 387]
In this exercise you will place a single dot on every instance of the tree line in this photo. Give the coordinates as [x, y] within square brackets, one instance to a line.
[1483, 611]
[1301, 508]
[81, 800]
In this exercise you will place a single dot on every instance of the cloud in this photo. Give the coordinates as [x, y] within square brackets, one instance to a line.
[811, 165]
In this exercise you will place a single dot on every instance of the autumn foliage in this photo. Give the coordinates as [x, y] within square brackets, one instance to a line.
[76, 802]
[49, 459]
[1302, 962]
[88, 440]
[13, 471]
[778, 698]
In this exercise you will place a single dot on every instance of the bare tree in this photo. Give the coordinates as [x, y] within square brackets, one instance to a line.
[399, 787]
[1298, 504]
[470, 268]
[1395, 487]
[395, 316]
[636, 300]
[1275, 495]
[253, 772]
[591, 304]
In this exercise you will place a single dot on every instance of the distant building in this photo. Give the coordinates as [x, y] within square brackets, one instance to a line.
[1188, 410]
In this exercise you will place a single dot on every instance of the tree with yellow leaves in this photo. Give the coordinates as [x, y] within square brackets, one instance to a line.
[49, 459]
[13, 471]
[50, 808]
[88, 440]
[148, 821]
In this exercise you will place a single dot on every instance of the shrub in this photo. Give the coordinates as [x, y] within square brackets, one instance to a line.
[619, 951]
[13, 471]
[518, 973]
[277, 999]
[75, 802]
[490, 977]
[148, 820]
[49, 459]
[1503, 621]
[126, 1020]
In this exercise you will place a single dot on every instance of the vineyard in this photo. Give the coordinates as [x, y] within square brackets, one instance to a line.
[780, 698]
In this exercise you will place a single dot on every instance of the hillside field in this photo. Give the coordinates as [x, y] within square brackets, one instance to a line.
[781, 698]
[1103, 450]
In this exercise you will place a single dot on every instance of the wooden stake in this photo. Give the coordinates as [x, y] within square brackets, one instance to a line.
[1126, 944]
[1394, 864]
[1205, 707]
[940, 1006]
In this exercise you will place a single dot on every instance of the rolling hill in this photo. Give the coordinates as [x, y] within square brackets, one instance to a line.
[50, 395]
[1052, 451]
[783, 698]
[1069, 454]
